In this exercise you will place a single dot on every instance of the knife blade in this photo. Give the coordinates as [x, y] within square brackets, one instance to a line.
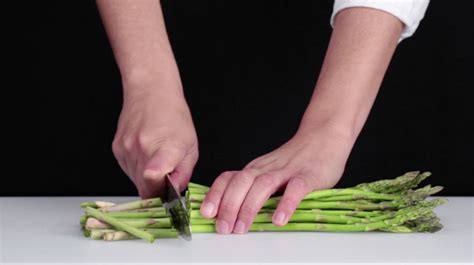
[177, 208]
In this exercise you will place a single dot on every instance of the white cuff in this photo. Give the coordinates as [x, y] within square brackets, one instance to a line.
[410, 12]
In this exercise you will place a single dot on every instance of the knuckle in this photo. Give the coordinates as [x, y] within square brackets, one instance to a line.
[243, 177]
[264, 181]
[221, 181]
[299, 183]
[116, 148]
[195, 156]
[143, 141]
[128, 142]
[225, 175]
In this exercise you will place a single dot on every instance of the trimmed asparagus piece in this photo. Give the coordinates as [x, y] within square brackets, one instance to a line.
[158, 233]
[99, 233]
[93, 223]
[97, 204]
[119, 224]
[114, 235]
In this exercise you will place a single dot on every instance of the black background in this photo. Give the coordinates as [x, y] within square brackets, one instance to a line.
[248, 69]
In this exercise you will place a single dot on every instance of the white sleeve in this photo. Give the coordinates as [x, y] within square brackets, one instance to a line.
[410, 12]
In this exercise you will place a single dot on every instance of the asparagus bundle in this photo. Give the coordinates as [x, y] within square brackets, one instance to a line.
[391, 205]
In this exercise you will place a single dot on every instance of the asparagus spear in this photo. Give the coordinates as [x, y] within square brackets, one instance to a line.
[113, 235]
[85, 232]
[151, 209]
[197, 186]
[361, 214]
[402, 183]
[197, 190]
[82, 220]
[97, 204]
[93, 223]
[296, 217]
[99, 233]
[119, 224]
[397, 229]
[154, 202]
[157, 214]
[122, 235]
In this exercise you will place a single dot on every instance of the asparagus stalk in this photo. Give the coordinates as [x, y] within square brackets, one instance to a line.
[397, 229]
[157, 214]
[119, 224]
[113, 235]
[85, 232]
[97, 234]
[361, 214]
[122, 235]
[82, 220]
[154, 202]
[296, 217]
[151, 209]
[194, 190]
[97, 204]
[196, 197]
[402, 183]
[93, 223]
[197, 186]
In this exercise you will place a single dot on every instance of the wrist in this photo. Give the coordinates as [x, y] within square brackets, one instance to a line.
[331, 126]
[149, 82]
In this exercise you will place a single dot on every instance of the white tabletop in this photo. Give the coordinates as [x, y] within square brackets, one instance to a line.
[46, 230]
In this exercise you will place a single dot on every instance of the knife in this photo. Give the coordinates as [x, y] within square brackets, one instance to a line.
[176, 207]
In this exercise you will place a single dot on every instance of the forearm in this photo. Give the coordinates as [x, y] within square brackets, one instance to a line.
[137, 33]
[359, 52]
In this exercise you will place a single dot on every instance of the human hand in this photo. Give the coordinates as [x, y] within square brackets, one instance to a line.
[155, 136]
[305, 163]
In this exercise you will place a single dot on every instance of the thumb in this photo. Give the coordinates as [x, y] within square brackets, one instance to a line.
[162, 162]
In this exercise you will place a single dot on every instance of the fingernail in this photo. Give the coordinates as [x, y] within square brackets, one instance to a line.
[239, 227]
[207, 209]
[279, 218]
[222, 227]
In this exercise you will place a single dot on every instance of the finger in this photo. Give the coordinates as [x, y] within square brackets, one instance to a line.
[143, 190]
[263, 187]
[213, 197]
[233, 198]
[130, 164]
[183, 171]
[296, 189]
[162, 162]
[123, 165]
